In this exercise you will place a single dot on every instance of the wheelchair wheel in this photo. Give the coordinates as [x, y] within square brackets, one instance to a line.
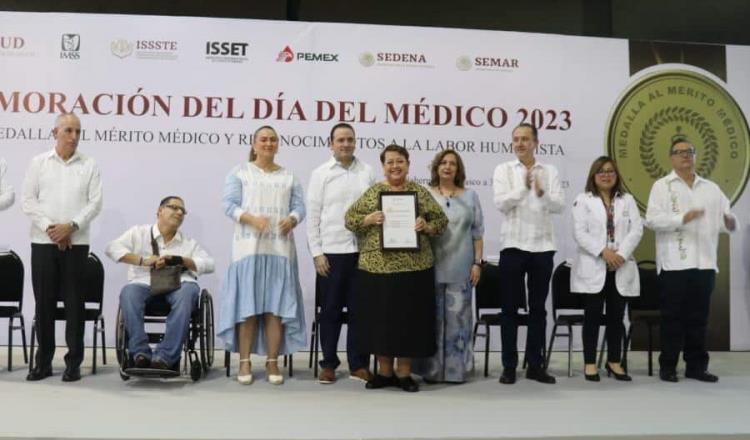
[207, 331]
[195, 372]
[121, 345]
[120, 339]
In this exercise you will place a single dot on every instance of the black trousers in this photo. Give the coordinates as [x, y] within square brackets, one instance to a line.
[337, 293]
[592, 320]
[516, 264]
[57, 274]
[685, 297]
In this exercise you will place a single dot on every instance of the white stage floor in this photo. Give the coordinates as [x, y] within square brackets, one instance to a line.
[103, 406]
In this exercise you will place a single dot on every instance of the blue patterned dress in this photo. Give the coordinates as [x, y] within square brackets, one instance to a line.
[263, 275]
[454, 255]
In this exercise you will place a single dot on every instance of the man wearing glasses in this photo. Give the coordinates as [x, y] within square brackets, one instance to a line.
[136, 248]
[62, 194]
[687, 212]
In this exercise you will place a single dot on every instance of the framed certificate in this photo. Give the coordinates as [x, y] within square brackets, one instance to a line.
[397, 232]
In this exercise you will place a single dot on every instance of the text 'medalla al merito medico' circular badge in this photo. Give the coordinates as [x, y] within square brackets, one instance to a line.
[678, 103]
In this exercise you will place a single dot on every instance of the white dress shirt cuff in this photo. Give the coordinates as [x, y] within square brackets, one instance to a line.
[237, 213]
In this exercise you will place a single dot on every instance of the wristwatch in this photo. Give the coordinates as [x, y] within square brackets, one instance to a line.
[74, 225]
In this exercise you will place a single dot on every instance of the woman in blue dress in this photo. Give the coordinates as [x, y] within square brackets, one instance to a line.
[262, 309]
[458, 255]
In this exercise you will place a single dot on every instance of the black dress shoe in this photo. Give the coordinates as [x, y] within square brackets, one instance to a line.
[141, 361]
[539, 375]
[592, 377]
[160, 364]
[623, 377]
[668, 376]
[71, 374]
[379, 381]
[407, 384]
[39, 374]
[703, 376]
[508, 377]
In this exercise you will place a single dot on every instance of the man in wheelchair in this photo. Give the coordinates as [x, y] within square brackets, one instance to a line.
[147, 249]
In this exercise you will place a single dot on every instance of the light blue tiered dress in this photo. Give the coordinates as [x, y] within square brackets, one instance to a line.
[263, 275]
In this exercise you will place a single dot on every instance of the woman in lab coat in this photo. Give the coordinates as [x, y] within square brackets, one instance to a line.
[607, 228]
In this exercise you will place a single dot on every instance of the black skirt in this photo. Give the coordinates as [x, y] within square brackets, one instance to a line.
[394, 313]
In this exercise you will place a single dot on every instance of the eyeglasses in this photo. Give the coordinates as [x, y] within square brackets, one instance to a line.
[606, 173]
[684, 153]
[176, 208]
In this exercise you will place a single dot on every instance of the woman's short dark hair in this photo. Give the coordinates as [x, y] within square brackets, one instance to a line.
[460, 176]
[396, 149]
[253, 156]
[596, 166]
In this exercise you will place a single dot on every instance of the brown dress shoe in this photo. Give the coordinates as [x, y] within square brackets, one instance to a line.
[362, 374]
[327, 376]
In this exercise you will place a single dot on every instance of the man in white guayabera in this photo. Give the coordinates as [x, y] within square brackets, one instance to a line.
[62, 194]
[526, 192]
[687, 212]
[333, 187]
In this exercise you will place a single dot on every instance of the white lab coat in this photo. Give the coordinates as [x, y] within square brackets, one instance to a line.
[589, 270]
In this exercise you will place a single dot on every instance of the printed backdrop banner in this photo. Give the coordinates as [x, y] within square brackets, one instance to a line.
[168, 106]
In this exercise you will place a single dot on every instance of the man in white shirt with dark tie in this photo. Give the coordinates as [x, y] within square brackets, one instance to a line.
[687, 212]
[62, 194]
[334, 186]
[136, 248]
[526, 192]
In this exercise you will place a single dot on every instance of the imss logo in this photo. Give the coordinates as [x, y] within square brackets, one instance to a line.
[70, 47]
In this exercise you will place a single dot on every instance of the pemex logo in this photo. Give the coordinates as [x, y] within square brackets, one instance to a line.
[662, 105]
[285, 55]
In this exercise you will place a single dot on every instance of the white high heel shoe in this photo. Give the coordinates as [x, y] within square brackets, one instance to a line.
[273, 379]
[245, 379]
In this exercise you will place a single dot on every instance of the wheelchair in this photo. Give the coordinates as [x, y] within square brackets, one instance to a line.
[200, 334]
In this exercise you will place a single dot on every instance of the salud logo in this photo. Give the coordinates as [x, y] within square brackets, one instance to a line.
[70, 46]
[669, 103]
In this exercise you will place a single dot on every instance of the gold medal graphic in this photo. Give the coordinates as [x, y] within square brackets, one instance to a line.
[663, 105]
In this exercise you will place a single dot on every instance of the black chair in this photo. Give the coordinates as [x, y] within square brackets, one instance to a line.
[567, 311]
[645, 309]
[487, 297]
[93, 294]
[11, 300]
[315, 332]
[315, 329]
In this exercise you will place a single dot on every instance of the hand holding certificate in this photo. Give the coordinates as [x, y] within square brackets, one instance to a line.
[399, 226]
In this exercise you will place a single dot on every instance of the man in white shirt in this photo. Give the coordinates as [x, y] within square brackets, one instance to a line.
[526, 192]
[136, 248]
[62, 194]
[7, 195]
[334, 186]
[687, 213]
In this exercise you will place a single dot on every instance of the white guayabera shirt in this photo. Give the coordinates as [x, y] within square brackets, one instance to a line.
[692, 245]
